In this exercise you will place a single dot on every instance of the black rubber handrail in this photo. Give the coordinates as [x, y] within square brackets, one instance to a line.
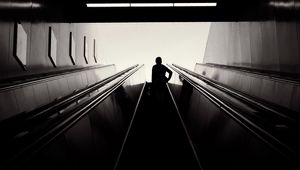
[36, 141]
[26, 80]
[264, 135]
[13, 125]
[274, 75]
[185, 128]
[129, 127]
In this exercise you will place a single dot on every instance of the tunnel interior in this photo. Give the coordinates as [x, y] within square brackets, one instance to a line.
[63, 107]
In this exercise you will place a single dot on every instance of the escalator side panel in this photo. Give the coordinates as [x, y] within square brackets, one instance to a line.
[220, 141]
[26, 97]
[95, 141]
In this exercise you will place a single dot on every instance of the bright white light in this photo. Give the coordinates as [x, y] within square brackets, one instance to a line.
[286, 4]
[140, 43]
[99, 5]
[20, 5]
[195, 4]
[151, 4]
[36, 5]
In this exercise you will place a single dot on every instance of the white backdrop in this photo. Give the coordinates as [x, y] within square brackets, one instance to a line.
[126, 44]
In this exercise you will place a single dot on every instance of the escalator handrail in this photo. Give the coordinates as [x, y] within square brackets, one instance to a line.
[185, 129]
[269, 74]
[60, 126]
[27, 80]
[266, 106]
[129, 127]
[18, 122]
[248, 124]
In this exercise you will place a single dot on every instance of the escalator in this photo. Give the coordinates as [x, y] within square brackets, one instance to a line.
[157, 138]
[231, 130]
[83, 130]
[117, 123]
[204, 125]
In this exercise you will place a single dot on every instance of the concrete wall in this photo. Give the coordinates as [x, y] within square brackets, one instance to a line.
[272, 45]
[268, 45]
[37, 47]
[27, 98]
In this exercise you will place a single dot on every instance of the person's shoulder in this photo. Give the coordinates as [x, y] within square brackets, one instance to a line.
[167, 69]
[154, 67]
[164, 66]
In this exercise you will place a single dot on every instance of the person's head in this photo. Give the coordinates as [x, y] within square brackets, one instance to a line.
[158, 60]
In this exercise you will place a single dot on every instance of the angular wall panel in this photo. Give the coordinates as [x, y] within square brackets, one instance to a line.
[85, 50]
[20, 45]
[14, 64]
[72, 48]
[38, 52]
[95, 50]
[63, 38]
[52, 47]
[80, 32]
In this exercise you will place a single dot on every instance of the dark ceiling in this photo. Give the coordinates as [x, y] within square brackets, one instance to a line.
[76, 11]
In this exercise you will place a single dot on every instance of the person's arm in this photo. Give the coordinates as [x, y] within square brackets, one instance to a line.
[170, 73]
[152, 78]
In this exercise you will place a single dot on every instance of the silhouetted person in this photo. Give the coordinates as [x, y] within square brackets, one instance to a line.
[159, 80]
